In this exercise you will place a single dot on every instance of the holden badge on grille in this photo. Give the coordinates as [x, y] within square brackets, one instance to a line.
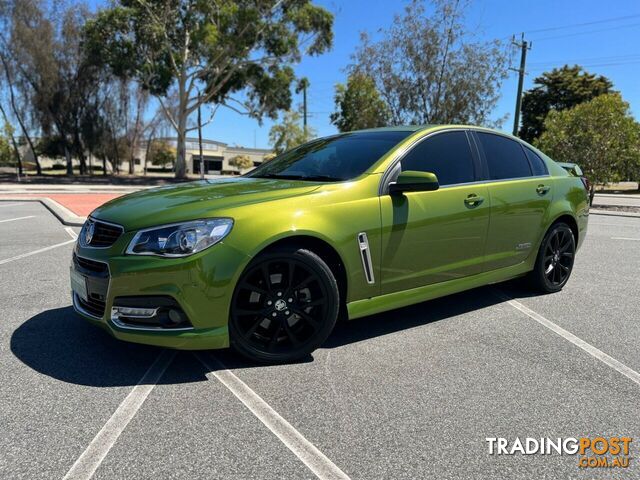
[88, 232]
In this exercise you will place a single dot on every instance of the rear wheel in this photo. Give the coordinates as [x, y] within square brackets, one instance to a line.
[284, 306]
[555, 259]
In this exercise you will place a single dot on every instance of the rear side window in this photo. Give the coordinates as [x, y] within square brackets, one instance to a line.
[505, 157]
[448, 155]
[537, 164]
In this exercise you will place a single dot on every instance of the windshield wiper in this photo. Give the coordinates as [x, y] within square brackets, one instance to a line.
[321, 178]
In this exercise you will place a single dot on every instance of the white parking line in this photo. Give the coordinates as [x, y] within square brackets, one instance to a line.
[302, 448]
[19, 218]
[578, 342]
[28, 254]
[625, 238]
[70, 231]
[87, 464]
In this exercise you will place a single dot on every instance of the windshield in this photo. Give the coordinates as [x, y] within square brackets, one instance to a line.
[332, 159]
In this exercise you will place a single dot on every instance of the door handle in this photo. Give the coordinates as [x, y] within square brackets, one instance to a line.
[473, 200]
[542, 189]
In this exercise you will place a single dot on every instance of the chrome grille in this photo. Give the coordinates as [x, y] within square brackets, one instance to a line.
[99, 234]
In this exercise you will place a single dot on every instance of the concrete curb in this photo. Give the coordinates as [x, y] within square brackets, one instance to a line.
[613, 213]
[62, 213]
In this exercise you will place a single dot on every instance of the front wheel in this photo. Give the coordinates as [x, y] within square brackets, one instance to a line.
[284, 306]
[555, 259]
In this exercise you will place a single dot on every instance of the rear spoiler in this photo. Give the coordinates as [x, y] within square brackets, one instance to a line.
[573, 169]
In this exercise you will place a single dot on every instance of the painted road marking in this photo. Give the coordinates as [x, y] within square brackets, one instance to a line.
[578, 342]
[70, 231]
[28, 254]
[625, 238]
[19, 218]
[302, 448]
[87, 463]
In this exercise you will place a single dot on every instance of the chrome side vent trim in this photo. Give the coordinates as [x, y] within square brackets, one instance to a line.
[365, 254]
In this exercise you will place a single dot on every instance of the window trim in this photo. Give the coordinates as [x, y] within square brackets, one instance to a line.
[383, 187]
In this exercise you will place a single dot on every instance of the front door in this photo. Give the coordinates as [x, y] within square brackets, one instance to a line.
[430, 237]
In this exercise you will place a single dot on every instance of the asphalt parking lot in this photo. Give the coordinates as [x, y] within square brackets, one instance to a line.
[410, 394]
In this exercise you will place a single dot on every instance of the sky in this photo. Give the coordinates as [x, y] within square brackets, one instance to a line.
[604, 37]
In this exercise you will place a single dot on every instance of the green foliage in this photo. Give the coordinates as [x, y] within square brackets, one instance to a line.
[241, 161]
[232, 53]
[7, 156]
[161, 154]
[599, 135]
[429, 68]
[289, 133]
[558, 89]
[358, 104]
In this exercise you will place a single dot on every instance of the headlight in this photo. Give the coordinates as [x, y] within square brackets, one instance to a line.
[180, 239]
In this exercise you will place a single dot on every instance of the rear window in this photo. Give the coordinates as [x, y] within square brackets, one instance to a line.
[537, 164]
[505, 157]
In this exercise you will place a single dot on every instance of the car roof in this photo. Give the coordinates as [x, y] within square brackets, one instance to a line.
[400, 128]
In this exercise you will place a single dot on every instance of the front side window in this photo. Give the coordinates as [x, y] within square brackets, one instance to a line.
[337, 158]
[505, 157]
[447, 154]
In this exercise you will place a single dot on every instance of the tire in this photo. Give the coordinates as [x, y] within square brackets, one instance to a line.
[555, 259]
[284, 306]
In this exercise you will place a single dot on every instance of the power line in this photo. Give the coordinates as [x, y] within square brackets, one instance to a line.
[592, 59]
[584, 24]
[575, 34]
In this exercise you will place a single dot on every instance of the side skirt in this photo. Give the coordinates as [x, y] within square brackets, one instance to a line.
[403, 298]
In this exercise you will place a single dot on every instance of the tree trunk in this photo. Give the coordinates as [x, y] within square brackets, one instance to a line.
[181, 156]
[16, 151]
[67, 156]
[19, 117]
[104, 166]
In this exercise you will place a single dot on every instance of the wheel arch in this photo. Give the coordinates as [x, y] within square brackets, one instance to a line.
[320, 247]
[569, 220]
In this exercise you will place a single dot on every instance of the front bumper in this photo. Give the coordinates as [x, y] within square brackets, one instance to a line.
[202, 285]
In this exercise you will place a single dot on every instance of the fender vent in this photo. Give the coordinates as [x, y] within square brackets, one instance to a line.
[365, 254]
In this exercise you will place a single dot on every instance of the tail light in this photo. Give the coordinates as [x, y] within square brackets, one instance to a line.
[586, 183]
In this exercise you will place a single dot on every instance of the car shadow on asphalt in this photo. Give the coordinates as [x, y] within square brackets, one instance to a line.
[59, 344]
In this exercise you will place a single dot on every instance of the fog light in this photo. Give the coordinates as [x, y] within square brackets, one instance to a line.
[134, 312]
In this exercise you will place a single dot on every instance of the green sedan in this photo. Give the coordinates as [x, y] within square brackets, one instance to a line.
[341, 227]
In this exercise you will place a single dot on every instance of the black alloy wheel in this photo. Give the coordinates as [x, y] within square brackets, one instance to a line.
[555, 259]
[284, 306]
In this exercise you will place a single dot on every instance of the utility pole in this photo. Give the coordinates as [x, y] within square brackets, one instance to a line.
[524, 46]
[303, 83]
[200, 143]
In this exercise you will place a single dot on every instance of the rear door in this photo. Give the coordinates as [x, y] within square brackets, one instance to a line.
[430, 237]
[521, 191]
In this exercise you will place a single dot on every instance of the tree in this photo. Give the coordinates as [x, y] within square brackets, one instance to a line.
[236, 54]
[600, 135]
[358, 104]
[428, 68]
[8, 13]
[161, 153]
[54, 72]
[241, 162]
[289, 134]
[6, 152]
[559, 89]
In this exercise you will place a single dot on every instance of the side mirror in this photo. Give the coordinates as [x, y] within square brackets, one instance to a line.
[411, 181]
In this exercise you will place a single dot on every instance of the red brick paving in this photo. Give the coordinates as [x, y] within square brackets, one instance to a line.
[81, 204]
